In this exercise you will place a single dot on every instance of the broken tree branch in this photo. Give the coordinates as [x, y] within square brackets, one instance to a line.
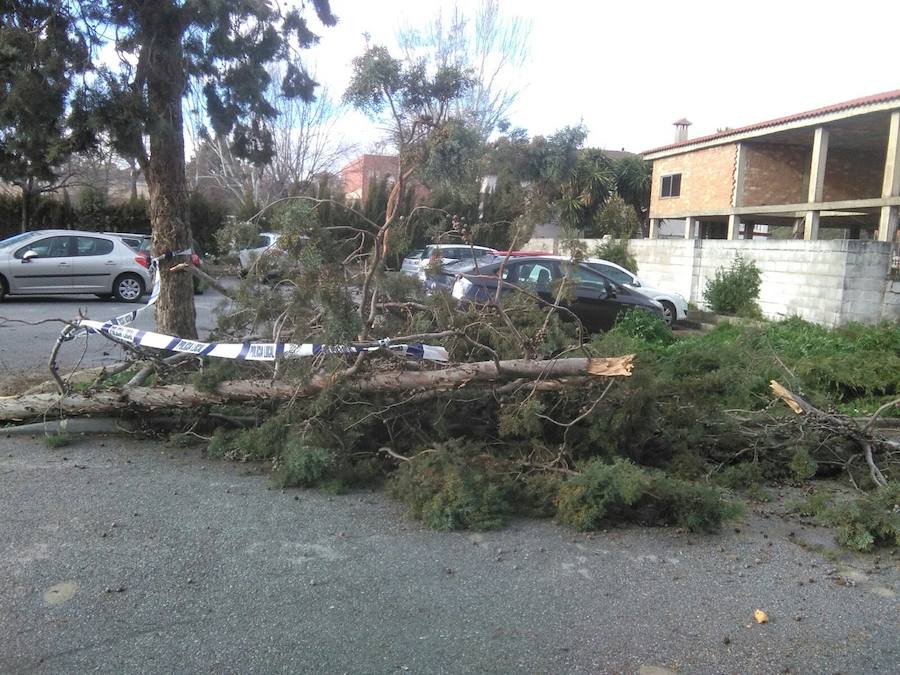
[837, 425]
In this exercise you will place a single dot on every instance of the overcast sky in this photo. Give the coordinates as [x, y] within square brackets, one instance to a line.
[628, 69]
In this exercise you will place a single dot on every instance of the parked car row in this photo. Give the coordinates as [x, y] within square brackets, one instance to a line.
[624, 283]
[417, 262]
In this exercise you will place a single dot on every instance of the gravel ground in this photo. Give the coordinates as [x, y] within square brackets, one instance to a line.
[125, 556]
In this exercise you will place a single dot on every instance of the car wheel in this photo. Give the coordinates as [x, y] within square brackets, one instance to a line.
[128, 288]
[669, 312]
[3, 289]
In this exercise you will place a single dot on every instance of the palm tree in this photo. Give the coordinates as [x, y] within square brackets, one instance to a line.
[632, 176]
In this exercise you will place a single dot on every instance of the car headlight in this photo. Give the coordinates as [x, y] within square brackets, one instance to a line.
[422, 275]
[460, 288]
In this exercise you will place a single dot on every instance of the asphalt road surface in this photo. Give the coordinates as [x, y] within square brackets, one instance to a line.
[26, 348]
[125, 557]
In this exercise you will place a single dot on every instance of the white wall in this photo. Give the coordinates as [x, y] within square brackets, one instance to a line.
[826, 282]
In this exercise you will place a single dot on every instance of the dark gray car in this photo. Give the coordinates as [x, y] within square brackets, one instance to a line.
[598, 301]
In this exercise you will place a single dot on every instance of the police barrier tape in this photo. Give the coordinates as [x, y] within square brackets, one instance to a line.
[117, 329]
[253, 351]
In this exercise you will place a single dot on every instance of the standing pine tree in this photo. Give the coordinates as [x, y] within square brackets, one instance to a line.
[165, 46]
[41, 117]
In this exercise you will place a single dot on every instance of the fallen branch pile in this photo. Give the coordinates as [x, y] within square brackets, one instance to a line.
[863, 437]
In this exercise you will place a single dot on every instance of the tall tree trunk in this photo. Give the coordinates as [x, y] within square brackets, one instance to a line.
[27, 196]
[135, 172]
[175, 313]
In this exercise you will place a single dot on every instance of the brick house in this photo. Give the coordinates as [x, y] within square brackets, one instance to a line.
[358, 174]
[829, 173]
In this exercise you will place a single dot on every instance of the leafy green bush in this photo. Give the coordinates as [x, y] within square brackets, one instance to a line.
[616, 251]
[735, 290]
[609, 493]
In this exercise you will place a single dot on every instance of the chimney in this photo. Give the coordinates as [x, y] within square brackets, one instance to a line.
[681, 130]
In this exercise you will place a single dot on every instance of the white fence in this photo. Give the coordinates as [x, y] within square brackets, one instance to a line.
[828, 282]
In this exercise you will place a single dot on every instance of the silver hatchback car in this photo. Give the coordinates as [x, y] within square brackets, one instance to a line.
[52, 262]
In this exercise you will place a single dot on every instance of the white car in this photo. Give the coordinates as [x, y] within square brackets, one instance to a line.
[416, 263]
[674, 305]
[266, 242]
[55, 262]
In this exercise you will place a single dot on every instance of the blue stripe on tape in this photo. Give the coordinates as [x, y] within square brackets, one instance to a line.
[207, 349]
[105, 327]
[245, 347]
[316, 349]
[139, 336]
[279, 350]
[172, 344]
[415, 351]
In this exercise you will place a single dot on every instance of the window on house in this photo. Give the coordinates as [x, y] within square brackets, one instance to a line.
[671, 185]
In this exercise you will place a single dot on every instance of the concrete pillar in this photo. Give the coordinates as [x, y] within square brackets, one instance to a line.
[654, 228]
[734, 226]
[816, 182]
[887, 225]
[740, 170]
[688, 228]
[811, 226]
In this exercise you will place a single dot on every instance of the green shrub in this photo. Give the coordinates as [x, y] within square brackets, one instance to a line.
[304, 466]
[610, 493]
[616, 251]
[735, 290]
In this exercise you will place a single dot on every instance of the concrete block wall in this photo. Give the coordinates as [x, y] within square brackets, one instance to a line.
[828, 282]
[890, 306]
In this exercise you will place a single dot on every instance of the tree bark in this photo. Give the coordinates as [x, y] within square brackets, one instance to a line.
[162, 25]
[27, 196]
[16, 408]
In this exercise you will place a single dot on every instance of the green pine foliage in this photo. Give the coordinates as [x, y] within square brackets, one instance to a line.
[606, 494]
[864, 522]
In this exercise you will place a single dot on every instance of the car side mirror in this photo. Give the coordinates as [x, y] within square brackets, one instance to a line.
[636, 282]
[610, 290]
[29, 255]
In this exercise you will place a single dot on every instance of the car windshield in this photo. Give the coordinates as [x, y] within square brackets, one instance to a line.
[15, 239]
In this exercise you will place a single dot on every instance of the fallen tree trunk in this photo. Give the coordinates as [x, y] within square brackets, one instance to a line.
[18, 408]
